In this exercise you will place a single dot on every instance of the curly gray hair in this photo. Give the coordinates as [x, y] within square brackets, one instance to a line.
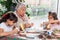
[19, 5]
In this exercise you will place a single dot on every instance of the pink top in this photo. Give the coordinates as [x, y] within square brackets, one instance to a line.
[55, 26]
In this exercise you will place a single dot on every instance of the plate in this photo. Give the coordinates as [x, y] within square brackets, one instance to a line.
[32, 34]
[21, 37]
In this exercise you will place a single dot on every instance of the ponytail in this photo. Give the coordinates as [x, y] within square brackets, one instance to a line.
[11, 16]
[3, 18]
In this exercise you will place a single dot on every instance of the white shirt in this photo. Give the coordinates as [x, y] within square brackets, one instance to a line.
[5, 27]
[20, 20]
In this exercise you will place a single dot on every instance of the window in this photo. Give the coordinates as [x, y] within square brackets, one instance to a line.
[41, 7]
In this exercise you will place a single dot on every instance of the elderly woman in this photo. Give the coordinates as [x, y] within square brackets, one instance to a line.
[22, 17]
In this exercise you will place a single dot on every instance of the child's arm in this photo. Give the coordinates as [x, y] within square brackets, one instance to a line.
[50, 22]
[54, 21]
[2, 33]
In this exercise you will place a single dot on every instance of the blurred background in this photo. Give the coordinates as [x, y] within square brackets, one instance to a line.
[39, 8]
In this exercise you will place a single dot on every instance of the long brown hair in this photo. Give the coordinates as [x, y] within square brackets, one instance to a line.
[54, 15]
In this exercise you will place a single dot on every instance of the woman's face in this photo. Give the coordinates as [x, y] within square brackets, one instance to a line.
[21, 11]
[10, 23]
[50, 17]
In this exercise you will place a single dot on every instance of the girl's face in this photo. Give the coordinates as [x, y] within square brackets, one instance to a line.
[50, 17]
[10, 23]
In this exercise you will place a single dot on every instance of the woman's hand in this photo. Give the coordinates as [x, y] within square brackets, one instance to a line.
[28, 25]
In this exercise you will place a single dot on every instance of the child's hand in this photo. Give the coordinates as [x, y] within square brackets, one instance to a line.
[15, 31]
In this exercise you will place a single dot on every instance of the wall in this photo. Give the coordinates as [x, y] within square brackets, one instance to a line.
[59, 10]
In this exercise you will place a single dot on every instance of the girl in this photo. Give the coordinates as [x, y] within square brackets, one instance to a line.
[6, 24]
[52, 19]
